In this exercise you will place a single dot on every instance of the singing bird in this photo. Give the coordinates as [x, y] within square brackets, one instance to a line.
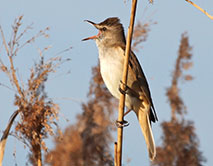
[111, 45]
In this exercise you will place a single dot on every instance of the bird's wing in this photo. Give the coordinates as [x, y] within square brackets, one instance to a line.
[140, 84]
[136, 67]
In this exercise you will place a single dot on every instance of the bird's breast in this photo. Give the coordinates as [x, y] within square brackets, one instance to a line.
[111, 63]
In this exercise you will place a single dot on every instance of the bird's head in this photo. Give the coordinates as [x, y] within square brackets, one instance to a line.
[110, 31]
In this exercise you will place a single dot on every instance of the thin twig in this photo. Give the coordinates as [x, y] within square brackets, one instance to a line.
[13, 71]
[4, 41]
[199, 8]
[124, 80]
[24, 32]
[15, 80]
[32, 39]
[63, 51]
[7, 87]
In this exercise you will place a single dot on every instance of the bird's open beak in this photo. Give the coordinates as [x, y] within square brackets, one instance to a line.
[92, 37]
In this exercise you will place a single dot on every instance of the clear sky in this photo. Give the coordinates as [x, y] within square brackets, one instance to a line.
[67, 28]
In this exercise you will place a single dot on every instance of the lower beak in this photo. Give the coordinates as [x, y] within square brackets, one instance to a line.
[92, 37]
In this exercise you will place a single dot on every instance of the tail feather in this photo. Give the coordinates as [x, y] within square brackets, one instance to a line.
[144, 121]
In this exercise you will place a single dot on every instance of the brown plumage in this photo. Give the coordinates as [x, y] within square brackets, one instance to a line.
[111, 45]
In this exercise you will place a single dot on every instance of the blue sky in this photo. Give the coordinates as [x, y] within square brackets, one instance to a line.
[67, 28]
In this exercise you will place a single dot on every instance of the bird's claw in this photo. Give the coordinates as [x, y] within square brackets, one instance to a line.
[123, 91]
[121, 124]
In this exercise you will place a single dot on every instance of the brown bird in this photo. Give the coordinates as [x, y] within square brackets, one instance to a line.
[111, 45]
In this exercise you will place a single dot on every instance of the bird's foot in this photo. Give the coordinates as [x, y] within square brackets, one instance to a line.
[125, 88]
[121, 124]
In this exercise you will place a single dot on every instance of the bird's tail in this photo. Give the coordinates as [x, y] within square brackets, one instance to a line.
[143, 118]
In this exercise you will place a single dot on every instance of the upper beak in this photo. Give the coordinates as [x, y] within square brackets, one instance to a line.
[90, 22]
[92, 37]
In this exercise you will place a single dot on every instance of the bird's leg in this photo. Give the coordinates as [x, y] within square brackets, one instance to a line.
[128, 111]
[122, 123]
[124, 92]
[130, 92]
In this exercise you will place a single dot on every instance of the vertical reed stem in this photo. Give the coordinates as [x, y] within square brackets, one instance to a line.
[124, 80]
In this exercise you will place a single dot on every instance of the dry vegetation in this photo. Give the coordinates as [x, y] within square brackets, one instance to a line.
[201, 9]
[87, 142]
[37, 111]
[140, 34]
[179, 141]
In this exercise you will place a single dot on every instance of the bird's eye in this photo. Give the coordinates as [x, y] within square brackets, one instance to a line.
[104, 29]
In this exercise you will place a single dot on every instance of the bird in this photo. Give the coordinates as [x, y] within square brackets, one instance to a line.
[111, 44]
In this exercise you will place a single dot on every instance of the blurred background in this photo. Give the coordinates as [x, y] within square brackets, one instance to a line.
[69, 86]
